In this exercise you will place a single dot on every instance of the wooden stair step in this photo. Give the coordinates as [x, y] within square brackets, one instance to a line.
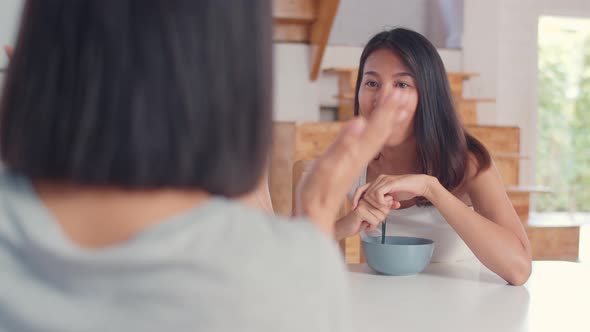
[456, 83]
[294, 9]
[508, 165]
[292, 20]
[529, 189]
[520, 197]
[291, 32]
[305, 21]
[497, 139]
[507, 155]
[467, 108]
[457, 75]
[554, 242]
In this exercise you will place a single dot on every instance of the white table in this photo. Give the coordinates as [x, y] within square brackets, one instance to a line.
[466, 296]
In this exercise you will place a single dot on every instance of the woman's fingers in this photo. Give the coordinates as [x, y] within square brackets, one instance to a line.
[373, 200]
[399, 188]
[375, 195]
[371, 217]
[358, 193]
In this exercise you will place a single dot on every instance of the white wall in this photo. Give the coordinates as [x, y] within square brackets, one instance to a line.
[517, 77]
[296, 98]
[480, 40]
[356, 21]
[9, 16]
[500, 42]
[575, 8]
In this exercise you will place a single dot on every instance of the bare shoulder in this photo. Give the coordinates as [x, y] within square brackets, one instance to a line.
[474, 169]
[474, 173]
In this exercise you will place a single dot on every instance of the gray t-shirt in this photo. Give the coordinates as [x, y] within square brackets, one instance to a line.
[219, 267]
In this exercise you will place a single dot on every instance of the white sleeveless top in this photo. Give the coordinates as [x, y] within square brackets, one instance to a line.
[425, 222]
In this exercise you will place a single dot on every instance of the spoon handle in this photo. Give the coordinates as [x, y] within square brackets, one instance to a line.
[383, 232]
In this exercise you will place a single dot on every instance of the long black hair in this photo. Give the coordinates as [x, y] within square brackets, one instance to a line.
[141, 93]
[442, 142]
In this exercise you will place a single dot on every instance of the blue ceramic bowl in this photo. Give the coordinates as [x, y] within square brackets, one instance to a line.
[400, 256]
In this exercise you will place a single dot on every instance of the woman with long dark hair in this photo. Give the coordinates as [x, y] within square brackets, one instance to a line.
[432, 179]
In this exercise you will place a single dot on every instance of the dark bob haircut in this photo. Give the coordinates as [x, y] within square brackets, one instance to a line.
[443, 144]
[141, 94]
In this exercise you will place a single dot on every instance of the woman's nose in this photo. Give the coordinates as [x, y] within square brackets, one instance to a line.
[384, 90]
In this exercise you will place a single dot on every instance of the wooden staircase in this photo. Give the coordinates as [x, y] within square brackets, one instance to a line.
[305, 21]
[306, 141]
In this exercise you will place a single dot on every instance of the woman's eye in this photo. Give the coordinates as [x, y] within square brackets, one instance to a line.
[372, 84]
[402, 85]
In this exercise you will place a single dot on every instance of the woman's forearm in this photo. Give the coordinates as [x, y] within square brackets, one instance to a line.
[496, 247]
[344, 226]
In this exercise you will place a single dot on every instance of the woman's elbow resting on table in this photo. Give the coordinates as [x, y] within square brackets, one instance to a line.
[520, 271]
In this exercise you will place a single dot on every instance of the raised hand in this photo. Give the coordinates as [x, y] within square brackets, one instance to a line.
[321, 193]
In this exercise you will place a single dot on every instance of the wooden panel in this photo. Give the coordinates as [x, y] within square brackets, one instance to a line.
[294, 10]
[467, 110]
[320, 32]
[313, 138]
[345, 110]
[498, 139]
[291, 33]
[521, 203]
[292, 142]
[353, 250]
[456, 89]
[350, 75]
[508, 168]
[555, 243]
[346, 86]
[456, 83]
[281, 166]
